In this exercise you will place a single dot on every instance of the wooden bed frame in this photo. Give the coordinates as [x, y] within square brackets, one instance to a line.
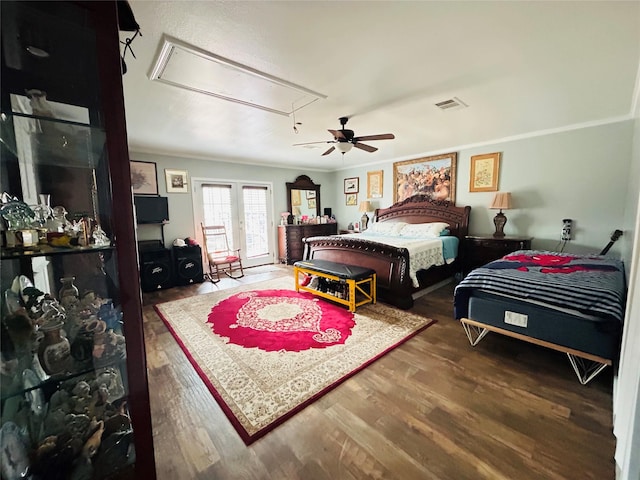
[391, 263]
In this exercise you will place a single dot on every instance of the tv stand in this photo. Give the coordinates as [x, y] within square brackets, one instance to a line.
[161, 224]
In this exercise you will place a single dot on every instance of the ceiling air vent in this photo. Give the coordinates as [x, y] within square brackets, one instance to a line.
[452, 104]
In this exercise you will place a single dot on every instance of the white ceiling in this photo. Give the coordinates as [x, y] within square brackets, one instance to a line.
[522, 67]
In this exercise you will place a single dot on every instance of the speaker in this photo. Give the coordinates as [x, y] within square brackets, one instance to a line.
[188, 264]
[155, 270]
[327, 212]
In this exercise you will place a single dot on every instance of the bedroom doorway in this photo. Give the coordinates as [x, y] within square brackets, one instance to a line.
[245, 209]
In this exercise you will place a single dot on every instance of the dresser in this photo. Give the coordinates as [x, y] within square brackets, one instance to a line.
[290, 245]
[481, 250]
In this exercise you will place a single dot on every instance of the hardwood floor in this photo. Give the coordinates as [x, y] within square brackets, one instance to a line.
[433, 408]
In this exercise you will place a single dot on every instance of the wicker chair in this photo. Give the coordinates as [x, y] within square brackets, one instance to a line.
[221, 258]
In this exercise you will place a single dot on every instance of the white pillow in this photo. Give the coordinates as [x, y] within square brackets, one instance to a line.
[424, 230]
[386, 228]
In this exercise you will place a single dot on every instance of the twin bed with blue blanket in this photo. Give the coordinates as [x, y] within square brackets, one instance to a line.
[567, 302]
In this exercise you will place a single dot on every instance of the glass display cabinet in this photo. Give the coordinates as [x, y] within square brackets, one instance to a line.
[73, 381]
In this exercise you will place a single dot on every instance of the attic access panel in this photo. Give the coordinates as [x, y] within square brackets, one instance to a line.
[186, 66]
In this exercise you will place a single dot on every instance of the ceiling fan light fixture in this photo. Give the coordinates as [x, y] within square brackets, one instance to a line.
[344, 147]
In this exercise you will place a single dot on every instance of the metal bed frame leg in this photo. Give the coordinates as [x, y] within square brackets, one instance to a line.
[474, 334]
[586, 370]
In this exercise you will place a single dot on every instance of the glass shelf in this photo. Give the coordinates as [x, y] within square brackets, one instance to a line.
[51, 141]
[41, 250]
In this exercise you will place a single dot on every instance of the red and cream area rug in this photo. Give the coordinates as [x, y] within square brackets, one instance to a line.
[265, 351]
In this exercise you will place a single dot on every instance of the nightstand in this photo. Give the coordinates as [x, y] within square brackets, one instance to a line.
[481, 250]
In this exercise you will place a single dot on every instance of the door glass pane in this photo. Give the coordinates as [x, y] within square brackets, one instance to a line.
[255, 221]
[216, 203]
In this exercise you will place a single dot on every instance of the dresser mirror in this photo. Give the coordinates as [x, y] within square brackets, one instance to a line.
[303, 197]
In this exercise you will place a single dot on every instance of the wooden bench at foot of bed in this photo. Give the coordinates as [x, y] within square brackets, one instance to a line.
[360, 281]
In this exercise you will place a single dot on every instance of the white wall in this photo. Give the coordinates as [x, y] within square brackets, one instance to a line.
[626, 406]
[181, 222]
[580, 174]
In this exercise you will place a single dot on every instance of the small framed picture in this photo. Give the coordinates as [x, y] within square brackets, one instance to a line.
[311, 194]
[351, 185]
[484, 172]
[352, 199]
[311, 203]
[374, 184]
[144, 180]
[177, 181]
[295, 198]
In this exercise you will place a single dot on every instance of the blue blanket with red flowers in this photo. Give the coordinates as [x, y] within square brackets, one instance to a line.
[591, 284]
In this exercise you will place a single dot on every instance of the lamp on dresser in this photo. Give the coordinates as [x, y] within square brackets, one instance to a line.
[364, 207]
[501, 201]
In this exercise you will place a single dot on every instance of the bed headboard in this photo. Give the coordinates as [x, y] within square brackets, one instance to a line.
[423, 209]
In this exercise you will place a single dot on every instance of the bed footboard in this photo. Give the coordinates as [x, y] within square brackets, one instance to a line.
[390, 263]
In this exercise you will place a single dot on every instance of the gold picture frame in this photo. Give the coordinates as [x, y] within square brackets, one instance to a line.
[484, 172]
[177, 181]
[351, 199]
[374, 184]
[295, 198]
[434, 177]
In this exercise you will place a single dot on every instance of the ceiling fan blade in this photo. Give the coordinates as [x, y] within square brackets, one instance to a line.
[313, 143]
[382, 136]
[328, 151]
[367, 148]
[337, 134]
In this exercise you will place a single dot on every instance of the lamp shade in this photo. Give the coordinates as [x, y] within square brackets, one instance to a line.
[365, 206]
[502, 201]
[344, 147]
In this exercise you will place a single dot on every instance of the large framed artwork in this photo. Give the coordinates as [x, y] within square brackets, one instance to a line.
[144, 178]
[433, 176]
[484, 172]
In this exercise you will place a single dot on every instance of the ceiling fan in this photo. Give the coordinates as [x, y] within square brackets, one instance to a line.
[345, 139]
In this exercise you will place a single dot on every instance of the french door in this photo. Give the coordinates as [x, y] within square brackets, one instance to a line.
[245, 209]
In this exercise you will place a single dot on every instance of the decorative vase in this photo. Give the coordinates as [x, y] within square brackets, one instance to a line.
[54, 351]
[68, 289]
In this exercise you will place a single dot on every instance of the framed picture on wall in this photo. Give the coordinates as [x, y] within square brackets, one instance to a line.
[144, 178]
[351, 185]
[177, 181]
[352, 199]
[434, 177]
[374, 184]
[484, 172]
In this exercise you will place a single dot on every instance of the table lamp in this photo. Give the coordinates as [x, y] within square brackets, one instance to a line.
[501, 201]
[364, 221]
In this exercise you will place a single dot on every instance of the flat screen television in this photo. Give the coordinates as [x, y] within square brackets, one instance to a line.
[151, 209]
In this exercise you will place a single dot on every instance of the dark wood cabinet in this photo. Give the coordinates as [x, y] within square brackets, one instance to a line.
[290, 245]
[74, 395]
[481, 250]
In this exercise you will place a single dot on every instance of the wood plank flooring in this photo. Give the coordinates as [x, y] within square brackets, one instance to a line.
[433, 408]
